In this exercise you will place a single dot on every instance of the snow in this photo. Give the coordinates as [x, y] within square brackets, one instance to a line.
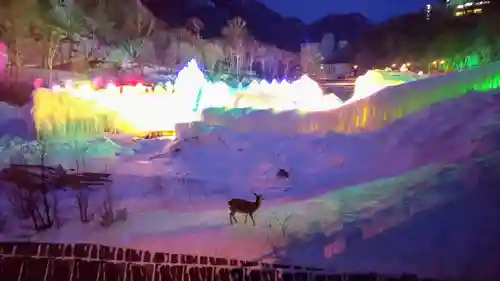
[377, 200]
[16, 121]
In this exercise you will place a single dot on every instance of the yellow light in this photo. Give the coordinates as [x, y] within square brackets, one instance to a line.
[434, 62]
[408, 64]
[85, 88]
[442, 62]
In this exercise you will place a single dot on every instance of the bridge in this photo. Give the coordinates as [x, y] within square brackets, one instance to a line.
[343, 88]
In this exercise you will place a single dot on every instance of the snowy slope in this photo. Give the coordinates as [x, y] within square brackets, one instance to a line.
[382, 196]
[176, 192]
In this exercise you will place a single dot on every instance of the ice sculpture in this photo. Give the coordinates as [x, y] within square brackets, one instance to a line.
[376, 80]
[188, 85]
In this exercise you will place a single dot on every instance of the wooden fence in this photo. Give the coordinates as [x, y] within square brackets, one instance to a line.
[86, 262]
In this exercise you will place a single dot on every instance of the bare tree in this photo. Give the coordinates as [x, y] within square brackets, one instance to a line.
[16, 16]
[109, 215]
[283, 224]
[135, 29]
[161, 43]
[100, 24]
[32, 187]
[3, 222]
[274, 239]
[82, 192]
[80, 149]
[42, 147]
[236, 32]
[83, 185]
[29, 197]
[70, 18]
[195, 25]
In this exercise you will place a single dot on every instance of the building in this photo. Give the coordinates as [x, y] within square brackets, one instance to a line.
[466, 7]
[458, 8]
[314, 64]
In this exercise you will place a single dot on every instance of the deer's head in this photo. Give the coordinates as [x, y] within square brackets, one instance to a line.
[258, 197]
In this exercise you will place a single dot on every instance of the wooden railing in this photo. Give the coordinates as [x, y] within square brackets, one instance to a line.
[86, 262]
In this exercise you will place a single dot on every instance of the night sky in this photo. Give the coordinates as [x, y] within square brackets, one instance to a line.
[375, 10]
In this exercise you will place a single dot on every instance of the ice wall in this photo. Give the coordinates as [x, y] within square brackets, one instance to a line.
[370, 113]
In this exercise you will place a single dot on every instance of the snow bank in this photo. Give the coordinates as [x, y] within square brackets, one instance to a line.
[403, 145]
[371, 113]
[16, 121]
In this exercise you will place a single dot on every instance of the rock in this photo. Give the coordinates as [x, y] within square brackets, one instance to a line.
[282, 173]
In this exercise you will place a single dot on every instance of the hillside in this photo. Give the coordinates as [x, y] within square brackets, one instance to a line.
[264, 24]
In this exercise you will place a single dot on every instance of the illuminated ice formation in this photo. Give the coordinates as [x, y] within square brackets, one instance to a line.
[83, 110]
[368, 114]
[376, 80]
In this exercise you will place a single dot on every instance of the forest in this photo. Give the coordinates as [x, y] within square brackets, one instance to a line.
[80, 35]
[444, 41]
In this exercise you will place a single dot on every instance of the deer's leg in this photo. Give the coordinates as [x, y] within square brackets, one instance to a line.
[251, 216]
[246, 218]
[232, 218]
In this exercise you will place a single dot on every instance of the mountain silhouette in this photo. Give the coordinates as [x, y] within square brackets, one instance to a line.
[264, 24]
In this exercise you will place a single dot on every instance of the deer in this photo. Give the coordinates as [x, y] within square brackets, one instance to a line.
[245, 207]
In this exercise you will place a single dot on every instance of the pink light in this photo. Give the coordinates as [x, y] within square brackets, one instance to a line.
[38, 83]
